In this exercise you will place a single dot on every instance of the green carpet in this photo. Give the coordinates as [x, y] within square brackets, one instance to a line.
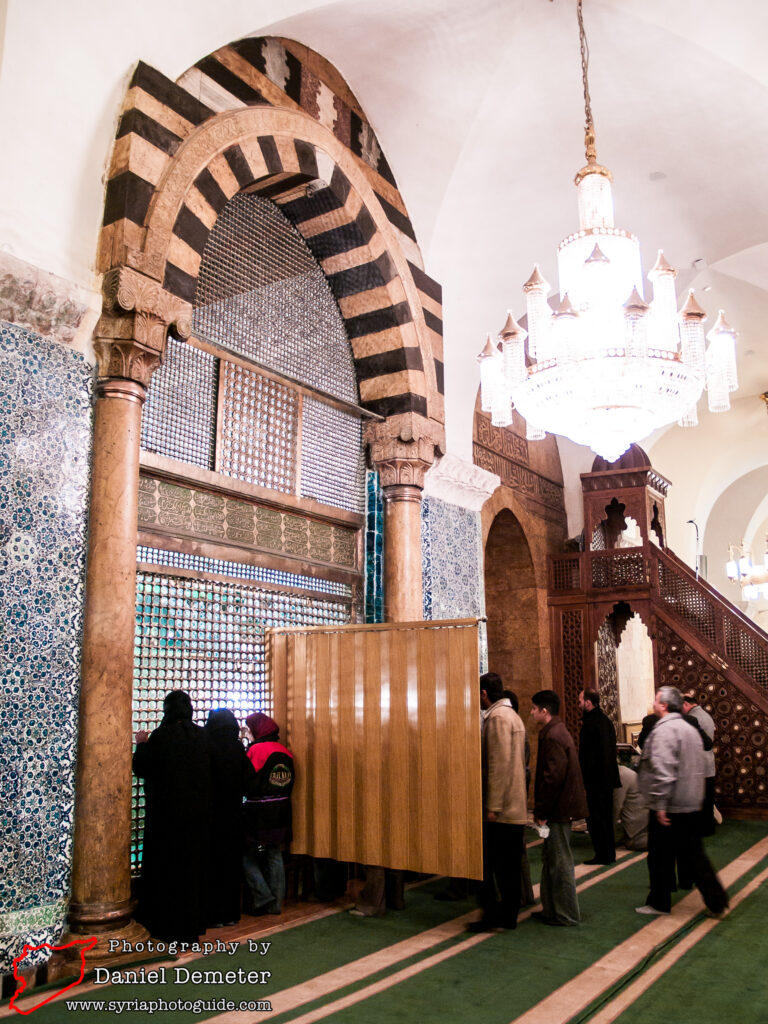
[498, 979]
[722, 979]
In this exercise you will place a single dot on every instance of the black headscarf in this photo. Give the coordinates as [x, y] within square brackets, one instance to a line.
[177, 706]
[222, 726]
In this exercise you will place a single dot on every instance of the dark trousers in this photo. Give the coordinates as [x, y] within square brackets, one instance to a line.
[680, 841]
[502, 854]
[383, 888]
[600, 823]
[708, 807]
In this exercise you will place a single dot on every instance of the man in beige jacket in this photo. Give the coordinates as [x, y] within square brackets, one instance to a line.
[505, 810]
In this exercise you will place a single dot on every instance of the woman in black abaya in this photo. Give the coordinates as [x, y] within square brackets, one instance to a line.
[233, 777]
[174, 763]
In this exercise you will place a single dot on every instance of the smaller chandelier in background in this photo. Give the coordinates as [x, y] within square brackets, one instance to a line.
[753, 579]
[605, 368]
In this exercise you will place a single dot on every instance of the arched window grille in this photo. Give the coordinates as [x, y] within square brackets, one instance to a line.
[252, 486]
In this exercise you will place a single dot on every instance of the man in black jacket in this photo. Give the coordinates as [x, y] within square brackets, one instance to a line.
[600, 771]
[559, 799]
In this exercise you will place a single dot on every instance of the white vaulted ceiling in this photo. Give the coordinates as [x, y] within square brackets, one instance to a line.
[479, 111]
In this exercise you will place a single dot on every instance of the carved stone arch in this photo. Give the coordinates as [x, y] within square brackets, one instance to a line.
[504, 498]
[177, 162]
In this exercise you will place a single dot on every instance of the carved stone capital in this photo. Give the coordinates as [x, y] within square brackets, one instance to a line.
[128, 291]
[131, 334]
[126, 360]
[403, 448]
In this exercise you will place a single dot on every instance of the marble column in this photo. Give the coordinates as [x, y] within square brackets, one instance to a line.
[402, 553]
[402, 462]
[101, 881]
[129, 343]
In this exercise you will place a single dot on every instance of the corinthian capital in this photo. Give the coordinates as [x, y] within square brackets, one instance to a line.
[403, 448]
[137, 316]
[127, 291]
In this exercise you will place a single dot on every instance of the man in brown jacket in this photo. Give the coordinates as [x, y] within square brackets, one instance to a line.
[559, 798]
[505, 809]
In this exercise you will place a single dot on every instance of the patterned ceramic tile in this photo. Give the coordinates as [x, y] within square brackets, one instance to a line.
[374, 549]
[451, 546]
[45, 431]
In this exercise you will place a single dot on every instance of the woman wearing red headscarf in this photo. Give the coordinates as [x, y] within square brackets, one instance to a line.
[268, 817]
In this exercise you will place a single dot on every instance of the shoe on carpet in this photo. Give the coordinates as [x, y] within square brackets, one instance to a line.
[483, 925]
[597, 860]
[647, 909]
[541, 918]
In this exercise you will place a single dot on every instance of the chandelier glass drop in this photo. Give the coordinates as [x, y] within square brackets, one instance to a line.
[605, 367]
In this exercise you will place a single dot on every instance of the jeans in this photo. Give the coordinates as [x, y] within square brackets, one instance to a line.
[265, 876]
[558, 883]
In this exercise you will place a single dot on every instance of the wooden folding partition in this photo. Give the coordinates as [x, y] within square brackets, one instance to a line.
[384, 725]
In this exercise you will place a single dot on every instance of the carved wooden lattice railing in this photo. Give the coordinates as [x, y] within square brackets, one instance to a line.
[701, 641]
[727, 633]
[732, 636]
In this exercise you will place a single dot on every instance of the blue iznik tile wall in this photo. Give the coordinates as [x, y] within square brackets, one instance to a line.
[45, 433]
[452, 564]
[374, 549]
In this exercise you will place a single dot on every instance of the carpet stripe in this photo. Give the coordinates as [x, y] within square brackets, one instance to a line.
[577, 994]
[324, 985]
[617, 1006]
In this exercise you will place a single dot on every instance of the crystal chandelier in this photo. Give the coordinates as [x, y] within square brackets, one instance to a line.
[605, 367]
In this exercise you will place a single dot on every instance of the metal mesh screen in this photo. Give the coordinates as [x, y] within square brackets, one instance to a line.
[261, 293]
[207, 637]
[333, 474]
[179, 417]
[258, 429]
[239, 570]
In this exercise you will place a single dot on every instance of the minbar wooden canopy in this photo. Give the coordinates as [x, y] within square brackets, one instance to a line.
[384, 724]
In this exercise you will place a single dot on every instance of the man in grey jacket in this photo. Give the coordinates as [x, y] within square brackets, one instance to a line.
[671, 778]
[693, 709]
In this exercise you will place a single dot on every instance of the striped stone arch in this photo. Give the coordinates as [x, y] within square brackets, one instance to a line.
[268, 116]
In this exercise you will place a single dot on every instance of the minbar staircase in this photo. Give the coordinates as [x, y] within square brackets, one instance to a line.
[699, 639]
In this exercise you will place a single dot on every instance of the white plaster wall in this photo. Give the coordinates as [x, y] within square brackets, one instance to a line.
[703, 462]
[65, 69]
[634, 660]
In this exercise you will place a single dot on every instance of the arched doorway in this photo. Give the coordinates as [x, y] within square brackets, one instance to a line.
[511, 599]
[624, 669]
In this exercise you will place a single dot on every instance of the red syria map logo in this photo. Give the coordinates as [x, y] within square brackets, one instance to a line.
[84, 944]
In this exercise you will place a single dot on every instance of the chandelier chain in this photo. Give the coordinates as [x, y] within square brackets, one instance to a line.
[584, 46]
